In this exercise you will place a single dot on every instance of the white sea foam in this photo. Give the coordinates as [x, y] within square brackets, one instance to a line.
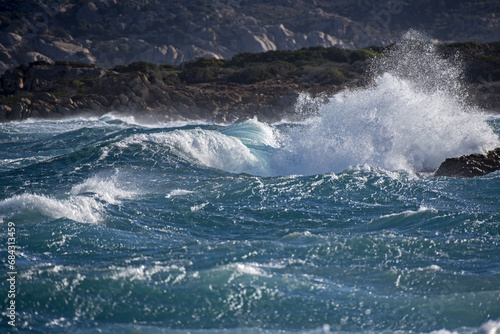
[250, 269]
[79, 208]
[443, 331]
[241, 269]
[85, 202]
[490, 327]
[198, 207]
[178, 192]
[109, 189]
[143, 272]
[408, 213]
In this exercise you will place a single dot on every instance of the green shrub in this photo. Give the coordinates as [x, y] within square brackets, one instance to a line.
[251, 75]
[362, 54]
[74, 64]
[324, 75]
[197, 75]
[138, 66]
[313, 55]
[204, 62]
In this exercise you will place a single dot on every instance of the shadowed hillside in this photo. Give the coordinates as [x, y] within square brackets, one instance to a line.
[109, 33]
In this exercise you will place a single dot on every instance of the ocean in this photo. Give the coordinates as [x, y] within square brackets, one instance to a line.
[330, 224]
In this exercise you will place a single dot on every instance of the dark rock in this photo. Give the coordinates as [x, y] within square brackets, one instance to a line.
[4, 111]
[470, 165]
[64, 111]
[47, 97]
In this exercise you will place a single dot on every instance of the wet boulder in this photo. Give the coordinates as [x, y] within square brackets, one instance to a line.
[470, 165]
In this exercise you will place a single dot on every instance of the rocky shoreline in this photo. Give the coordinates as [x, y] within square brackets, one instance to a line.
[265, 85]
[54, 91]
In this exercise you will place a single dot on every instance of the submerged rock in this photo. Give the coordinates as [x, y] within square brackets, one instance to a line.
[470, 165]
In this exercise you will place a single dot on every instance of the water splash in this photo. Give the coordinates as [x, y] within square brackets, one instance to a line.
[412, 117]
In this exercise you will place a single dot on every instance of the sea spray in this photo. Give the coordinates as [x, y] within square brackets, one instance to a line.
[412, 117]
[416, 59]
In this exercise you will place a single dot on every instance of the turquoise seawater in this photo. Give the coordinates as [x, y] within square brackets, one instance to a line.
[329, 225]
[190, 228]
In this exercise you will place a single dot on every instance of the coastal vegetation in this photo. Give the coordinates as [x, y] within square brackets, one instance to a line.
[45, 88]
[315, 66]
[249, 68]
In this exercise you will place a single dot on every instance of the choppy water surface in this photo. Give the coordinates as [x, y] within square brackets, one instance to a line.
[319, 226]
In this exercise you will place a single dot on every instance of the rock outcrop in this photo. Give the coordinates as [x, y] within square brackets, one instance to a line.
[470, 165]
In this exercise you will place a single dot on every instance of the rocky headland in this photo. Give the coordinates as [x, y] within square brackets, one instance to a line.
[57, 91]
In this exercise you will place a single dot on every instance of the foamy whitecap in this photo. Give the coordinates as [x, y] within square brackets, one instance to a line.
[85, 203]
[490, 327]
[242, 269]
[408, 213]
[78, 208]
[108, 189]
[178, 192]
[148, 122]
[143, 272]
[443, 331]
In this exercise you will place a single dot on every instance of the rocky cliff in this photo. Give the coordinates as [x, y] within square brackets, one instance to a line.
[110, 32]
